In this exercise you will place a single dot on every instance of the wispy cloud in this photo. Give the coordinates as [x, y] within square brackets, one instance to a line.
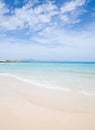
[46, 26]
[37, 17]
[71, 10]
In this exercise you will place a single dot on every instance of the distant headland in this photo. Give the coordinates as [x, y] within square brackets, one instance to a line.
[6, 61]
[47, 61]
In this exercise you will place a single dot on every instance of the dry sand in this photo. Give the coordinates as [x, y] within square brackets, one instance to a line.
[25, 107]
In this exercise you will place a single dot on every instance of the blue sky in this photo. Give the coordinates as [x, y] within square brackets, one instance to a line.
[62, 30]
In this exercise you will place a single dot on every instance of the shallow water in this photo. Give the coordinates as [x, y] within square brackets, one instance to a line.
[68, 76]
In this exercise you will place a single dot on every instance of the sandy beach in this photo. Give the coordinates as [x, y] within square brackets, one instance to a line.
[47, 64]
[33, 108]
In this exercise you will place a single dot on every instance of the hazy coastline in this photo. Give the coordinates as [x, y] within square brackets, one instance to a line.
[43, 61]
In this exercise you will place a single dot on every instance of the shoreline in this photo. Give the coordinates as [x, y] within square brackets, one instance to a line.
[25, 106]
[47, 86]
[49, 96]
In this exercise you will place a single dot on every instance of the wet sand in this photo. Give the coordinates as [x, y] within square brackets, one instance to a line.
[27, 107]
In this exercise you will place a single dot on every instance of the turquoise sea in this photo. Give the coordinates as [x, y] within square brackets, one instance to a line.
[77, 76]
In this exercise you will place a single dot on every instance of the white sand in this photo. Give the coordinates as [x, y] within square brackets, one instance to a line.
[27, 107]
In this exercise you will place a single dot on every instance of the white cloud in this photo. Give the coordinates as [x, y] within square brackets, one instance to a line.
[71, 10]
[3, 8]
[52, 44]
[66, 38]
[44, 14]
[33, 18]
[52, 41]
[72, 5]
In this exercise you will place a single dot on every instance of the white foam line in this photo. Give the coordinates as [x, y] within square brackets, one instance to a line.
[34, 82]
[44, 85]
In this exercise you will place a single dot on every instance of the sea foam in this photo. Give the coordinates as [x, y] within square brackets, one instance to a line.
[45, 85]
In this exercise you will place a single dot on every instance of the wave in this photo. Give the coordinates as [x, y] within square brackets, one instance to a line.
[34, 82]
[46, 85]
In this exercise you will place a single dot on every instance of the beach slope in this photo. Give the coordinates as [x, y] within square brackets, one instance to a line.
[22, 108]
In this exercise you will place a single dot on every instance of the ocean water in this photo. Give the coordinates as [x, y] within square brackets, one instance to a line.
[67, 76]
